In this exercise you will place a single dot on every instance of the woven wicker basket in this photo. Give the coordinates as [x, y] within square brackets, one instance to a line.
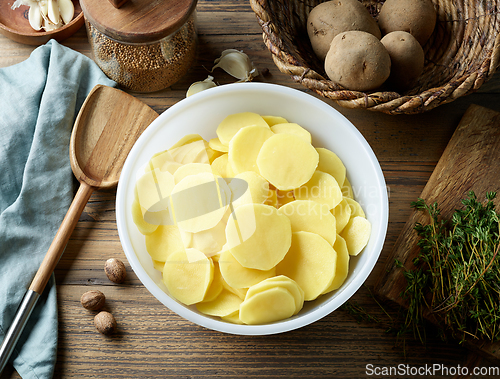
[462, 53]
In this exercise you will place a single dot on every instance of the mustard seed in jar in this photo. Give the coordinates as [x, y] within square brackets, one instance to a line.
[145, 45]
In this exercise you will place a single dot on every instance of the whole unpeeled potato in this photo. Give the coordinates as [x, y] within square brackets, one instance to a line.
[407, 59]
[328, 19]
[417, 17]
[357, 61]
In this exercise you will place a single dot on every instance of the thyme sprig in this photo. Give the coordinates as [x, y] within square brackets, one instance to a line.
[457, 271]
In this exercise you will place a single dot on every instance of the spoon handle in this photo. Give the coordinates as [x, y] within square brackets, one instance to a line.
[44, 271]
[61, 238]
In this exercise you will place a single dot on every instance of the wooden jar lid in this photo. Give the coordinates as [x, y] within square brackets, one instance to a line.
[138, 21]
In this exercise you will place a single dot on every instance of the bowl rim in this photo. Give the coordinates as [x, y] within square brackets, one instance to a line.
[207, 321]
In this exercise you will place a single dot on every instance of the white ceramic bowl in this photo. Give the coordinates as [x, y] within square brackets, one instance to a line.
[201, 113]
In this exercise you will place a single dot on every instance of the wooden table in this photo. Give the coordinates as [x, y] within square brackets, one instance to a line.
[154, 342]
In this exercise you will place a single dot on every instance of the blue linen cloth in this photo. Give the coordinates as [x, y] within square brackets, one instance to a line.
[39, 101]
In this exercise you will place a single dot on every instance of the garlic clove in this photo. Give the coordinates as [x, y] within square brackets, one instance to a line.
[201, 86]
[35, 17]
[67, 10]
[237, 64]
[53, 12]
[44, 8]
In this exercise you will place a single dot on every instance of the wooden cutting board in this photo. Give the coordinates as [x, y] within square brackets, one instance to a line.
[470, 162]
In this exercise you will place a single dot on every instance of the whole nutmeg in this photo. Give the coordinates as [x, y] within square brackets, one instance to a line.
[93, 300]
[115, 270]
[105, 322]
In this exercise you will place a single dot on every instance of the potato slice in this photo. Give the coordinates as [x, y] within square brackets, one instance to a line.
[187, 139]
[347, 189]
[280, 281]
[240, 292]
[272, 198]
[210, 241]
[292, 128]
[273, 120]
[249, 187]
[322, 187]
[163, 161]
[356, 234]
[138, 218]
[342, 213]
[287, 161]
[187, 275]
[225, 304]
[153, 189]
[330, 163]
[258, 236]
[233, 318]
[221, 166]
[311, 216]
[284, 197]
[245, 146]
[267, 306]
[342, 265]
[158, 265]
[163, 242]
[216, 286]
[234, 122]
[238, 276]
[356, 208]
[310, 262]
[200, 201]
[193, 152]
[217, 145]
[191, 169]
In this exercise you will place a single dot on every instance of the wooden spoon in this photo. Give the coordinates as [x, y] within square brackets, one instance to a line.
[109, 123]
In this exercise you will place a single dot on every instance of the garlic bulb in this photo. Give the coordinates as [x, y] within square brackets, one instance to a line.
[47, 14]
[237, 64]
[201, 86]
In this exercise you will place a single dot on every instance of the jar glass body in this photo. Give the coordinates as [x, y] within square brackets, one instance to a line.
[145, 67]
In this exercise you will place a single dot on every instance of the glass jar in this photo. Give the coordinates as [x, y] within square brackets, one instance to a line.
[142, 56]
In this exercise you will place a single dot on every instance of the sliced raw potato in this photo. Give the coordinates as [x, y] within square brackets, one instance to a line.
[187, 139]
[158, 265]
[311, 216]
[310, 262]
[249, 187]
[200, 201]
[233, 123]
[342, 265]
[233, 318]
[347, 189]
[292, 128]
[356, 234]
[191, 169]
[187, 275]
[287, 161]
[227, 303]
[356, 208]
[273, 120]
[240, 292]
[330, 163]
[210, 241]
[245, 147]
[163, 161]
[342, 213]
[238, 276]
[221, 166]
[280, 281]
[153, 191]
[267, 306]
[192, 152]
[138, 218]
[216, 286]
[284, 197]
[272, 198]
[322, 188]
[258, 236]
[217, 145]
[163, 242]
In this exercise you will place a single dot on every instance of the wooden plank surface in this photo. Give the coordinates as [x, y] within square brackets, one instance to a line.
[155, 342]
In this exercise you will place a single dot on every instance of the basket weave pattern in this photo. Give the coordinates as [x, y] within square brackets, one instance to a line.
[462, 53]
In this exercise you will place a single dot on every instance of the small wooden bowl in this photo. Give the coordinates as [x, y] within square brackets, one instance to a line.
[14, 24]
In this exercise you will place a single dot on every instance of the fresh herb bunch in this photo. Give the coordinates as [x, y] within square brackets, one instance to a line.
[457, 274]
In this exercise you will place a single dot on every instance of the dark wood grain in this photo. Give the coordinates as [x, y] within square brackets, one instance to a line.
[154, 342]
